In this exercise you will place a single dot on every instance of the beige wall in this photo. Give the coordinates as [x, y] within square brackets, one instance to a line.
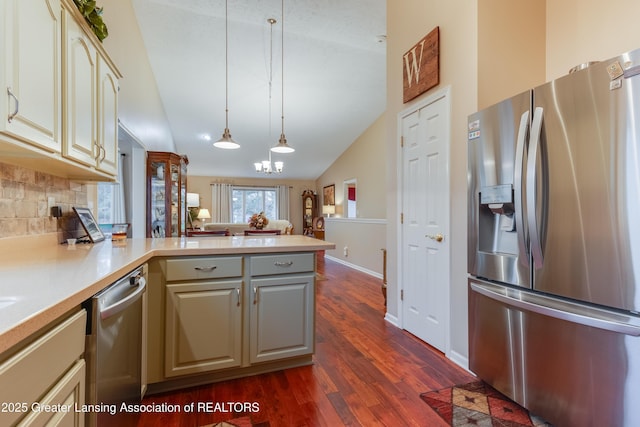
[511, 48]
[363, 239]
[140, 108]
[202, 186]
[361, 161]
[580, 31]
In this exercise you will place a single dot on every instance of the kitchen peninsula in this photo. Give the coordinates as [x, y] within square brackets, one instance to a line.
[44, 282]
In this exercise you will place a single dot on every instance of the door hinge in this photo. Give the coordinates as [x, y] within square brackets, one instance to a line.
[401, 218]
[401, 141]
[401, 294]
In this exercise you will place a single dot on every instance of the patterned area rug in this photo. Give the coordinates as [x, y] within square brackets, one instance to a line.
[478, 404]
[236, 422]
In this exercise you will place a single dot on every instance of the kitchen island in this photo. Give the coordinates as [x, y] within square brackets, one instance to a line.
[42, 280]
[214, 308]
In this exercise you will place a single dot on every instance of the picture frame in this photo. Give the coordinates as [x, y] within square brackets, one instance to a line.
[329, 195]
[89, 224]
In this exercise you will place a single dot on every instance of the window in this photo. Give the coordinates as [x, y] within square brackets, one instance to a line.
[106, 205]
[246, 201]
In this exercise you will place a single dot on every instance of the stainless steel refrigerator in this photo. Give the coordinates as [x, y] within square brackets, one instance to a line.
[554, 246]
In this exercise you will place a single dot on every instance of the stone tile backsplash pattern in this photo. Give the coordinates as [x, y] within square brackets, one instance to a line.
[24, 197]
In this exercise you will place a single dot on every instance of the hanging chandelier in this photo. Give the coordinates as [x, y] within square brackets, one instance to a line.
[226, 141]
[266, 166]
[282, 146]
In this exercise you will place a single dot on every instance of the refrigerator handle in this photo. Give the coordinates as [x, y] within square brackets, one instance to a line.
[517, 190]
[532, 175]
[587, 316]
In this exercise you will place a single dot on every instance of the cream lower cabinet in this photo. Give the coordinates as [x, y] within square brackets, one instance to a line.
[219, 317]
[50, 370]
[282, 313]
[203, 327]
[282, 318]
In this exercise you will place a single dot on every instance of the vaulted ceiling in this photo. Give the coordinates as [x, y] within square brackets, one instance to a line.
[334, 78]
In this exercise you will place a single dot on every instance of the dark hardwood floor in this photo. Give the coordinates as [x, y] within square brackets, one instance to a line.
[366, 372]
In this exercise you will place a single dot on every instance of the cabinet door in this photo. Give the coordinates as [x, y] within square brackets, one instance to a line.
[80, 101]
[203, 329]
[30, 71]
[282, 317]
[107, 119]
[67, 393]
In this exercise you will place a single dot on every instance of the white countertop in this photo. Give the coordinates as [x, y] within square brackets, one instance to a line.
[40, 280]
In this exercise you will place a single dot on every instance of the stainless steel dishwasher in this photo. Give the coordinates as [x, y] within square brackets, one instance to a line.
[114, 350]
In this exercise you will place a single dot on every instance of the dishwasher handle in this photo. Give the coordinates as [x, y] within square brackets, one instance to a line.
[125, 302]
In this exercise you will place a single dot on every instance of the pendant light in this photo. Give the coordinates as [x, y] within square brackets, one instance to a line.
[282, 146]
[226, 141]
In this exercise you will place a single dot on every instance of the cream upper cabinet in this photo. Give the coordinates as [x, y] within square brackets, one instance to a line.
[30, 72]
[81, 72]
[58, 90]
[91, 101]
[107, 142]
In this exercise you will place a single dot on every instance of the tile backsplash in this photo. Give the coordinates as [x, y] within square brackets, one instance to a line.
[24, 196]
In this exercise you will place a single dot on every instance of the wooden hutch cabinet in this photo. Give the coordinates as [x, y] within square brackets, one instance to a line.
[166, 194]
[309, 211]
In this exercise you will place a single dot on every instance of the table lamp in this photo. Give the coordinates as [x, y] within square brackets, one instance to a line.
[202, 215]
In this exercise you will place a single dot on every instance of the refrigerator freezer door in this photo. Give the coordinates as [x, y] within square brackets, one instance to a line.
[498, 246]
[584, 372]
[587, 186]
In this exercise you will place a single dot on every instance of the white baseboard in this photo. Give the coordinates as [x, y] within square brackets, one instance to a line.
[459, 360]
[392, 319]
[355, 267]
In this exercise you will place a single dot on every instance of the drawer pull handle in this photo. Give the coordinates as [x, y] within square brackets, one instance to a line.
[209, 269]
[283, 263]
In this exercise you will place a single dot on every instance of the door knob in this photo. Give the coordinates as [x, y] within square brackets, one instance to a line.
[438, 237]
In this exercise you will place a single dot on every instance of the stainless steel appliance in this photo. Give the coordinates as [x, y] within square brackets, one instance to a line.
[114, 351]
[554, 246]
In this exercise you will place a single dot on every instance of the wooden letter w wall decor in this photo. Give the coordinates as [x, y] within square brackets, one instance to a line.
[421, 66]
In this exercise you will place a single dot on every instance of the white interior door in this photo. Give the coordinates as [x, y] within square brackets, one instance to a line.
[425, 228]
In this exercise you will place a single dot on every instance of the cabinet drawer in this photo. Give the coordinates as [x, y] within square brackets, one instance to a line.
[32, 371]
[203, 268]
[263, 265]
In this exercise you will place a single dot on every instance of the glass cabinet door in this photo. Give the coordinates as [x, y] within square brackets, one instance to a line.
[183, 198]
[175, 199]
[158, 203]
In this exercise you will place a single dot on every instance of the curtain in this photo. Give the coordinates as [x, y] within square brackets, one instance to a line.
[221, 202]
[283, 202]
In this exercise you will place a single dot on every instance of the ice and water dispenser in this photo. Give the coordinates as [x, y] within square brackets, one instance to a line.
[497, 224]
[497, 239]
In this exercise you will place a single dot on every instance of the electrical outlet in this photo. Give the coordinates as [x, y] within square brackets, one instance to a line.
[345, 251]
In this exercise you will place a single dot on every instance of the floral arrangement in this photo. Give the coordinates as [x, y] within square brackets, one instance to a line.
[258, 221]
[93, 15]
